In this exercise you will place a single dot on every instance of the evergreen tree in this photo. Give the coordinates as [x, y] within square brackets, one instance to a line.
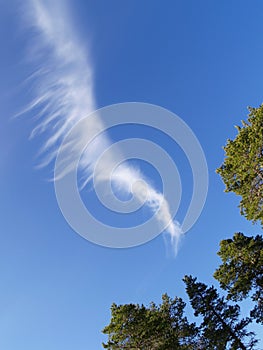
[241, 273]
[242, 170]
[157, 327]
[220, 325]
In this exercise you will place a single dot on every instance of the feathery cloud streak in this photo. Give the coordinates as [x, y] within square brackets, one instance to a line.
[64, 95]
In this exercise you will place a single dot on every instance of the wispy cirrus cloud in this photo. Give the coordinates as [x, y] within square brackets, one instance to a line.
[64, 95]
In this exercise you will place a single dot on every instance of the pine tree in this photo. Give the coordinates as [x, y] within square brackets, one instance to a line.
[242, 170]
[157, 327]
[241, 271]
[221, 326]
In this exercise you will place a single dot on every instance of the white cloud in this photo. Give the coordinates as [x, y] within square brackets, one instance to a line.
[64, 95]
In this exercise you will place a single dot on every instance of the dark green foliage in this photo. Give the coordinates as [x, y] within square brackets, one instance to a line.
[242, 170]
[221, 326]
[164, 327]
[241, 271]
[158, 327]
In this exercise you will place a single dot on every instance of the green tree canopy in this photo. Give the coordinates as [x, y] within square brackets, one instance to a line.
[242, 170]
[241, 271]
[165, 327]
[162, 327]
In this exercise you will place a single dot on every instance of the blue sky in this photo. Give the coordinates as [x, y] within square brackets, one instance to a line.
[201, 60]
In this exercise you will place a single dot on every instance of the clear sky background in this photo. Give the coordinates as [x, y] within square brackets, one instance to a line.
[203, 60]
